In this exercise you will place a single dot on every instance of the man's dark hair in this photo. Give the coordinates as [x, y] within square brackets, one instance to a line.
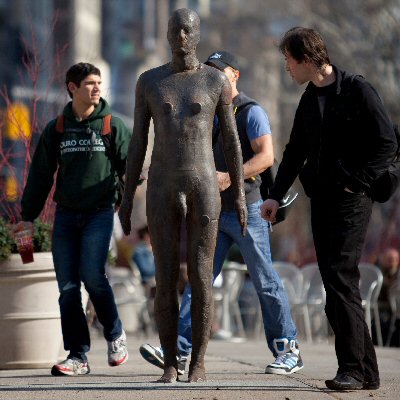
[78, 72]
[302, 43]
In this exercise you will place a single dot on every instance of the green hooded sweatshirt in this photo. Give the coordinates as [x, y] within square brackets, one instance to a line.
[86, 176]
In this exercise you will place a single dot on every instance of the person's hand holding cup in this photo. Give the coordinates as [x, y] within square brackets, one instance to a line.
[23, 237]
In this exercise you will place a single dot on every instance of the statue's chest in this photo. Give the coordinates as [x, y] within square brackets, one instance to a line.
[180, 93]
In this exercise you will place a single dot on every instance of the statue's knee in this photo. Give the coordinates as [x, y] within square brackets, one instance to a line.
[208, 231]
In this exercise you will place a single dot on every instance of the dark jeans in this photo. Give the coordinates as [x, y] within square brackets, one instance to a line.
[339, 223]
[80, 247]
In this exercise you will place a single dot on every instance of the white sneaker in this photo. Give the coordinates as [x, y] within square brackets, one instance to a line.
[117, 351]
[155, 355]
[71, 367]
[288, 359]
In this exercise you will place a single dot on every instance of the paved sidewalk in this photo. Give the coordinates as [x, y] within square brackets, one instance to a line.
[234, 370]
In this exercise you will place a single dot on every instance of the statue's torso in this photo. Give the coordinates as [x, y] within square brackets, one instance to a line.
[183, 106]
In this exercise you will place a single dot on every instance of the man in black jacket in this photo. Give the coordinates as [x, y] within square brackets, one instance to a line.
[342, 140]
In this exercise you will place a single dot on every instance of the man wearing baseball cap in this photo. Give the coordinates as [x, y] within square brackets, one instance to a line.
[223, 59]
[257, 150]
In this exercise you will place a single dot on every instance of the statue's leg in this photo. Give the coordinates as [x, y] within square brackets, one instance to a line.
[202, 236]
[165, 235]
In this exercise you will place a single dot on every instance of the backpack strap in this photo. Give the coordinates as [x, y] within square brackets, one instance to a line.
[236, 111]
[106, 130]
[109, 144]
[246, 105]
[60, 124]
[106, 136]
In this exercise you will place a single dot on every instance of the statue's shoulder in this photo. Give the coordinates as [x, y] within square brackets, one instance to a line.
[154, 74]
[215, 78]
[213, 73]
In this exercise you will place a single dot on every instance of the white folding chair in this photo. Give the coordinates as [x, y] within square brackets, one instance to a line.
[371, 279]
[233, 275]
[314, 296]
[394, 302]
[130, 299]
[292, 280]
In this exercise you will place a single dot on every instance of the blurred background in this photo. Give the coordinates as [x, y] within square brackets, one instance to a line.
[40, 39]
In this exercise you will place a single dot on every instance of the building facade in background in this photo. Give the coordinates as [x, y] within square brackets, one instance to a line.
[40, 39]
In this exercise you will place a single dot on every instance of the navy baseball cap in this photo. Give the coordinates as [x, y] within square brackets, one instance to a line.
[223, 59]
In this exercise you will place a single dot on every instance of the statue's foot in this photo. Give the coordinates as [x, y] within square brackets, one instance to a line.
[197, 374]
[170, 375]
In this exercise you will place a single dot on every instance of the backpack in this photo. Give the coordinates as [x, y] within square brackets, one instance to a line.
[268, 176]
[106, 132]
[384, 187]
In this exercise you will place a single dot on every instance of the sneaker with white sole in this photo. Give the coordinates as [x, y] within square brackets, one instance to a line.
[288, 360]
[117, 351]
[71, 367]
[155, 355]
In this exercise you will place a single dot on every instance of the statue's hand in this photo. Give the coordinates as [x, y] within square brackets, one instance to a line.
[124, 213]
[241, 210]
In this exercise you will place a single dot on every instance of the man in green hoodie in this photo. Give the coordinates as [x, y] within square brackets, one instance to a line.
[85, 193]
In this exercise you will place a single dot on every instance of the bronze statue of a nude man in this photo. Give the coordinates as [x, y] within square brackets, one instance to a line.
[182, 98]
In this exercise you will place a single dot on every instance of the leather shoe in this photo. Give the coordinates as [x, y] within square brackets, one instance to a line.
[371, 385]
[344, 382]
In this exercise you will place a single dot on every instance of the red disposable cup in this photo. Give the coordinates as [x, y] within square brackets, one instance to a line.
[24, 242]
[26, 254]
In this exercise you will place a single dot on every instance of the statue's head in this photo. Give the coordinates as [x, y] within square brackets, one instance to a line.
[183, 31]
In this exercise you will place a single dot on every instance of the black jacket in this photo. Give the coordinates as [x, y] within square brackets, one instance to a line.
[350, 146]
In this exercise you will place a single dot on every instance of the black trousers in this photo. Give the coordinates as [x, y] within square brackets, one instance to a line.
[339, 224]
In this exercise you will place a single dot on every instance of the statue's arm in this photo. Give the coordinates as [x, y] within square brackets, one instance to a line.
[232, 151]
[136, 154]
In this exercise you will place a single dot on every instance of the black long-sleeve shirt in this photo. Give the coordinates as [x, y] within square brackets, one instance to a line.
[342, 137]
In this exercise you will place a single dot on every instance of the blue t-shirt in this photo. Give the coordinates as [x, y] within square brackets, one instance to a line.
[257, 122]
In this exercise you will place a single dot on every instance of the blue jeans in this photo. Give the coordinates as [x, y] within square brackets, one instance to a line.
[144, 259]
[80, 247]
[256, 253]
